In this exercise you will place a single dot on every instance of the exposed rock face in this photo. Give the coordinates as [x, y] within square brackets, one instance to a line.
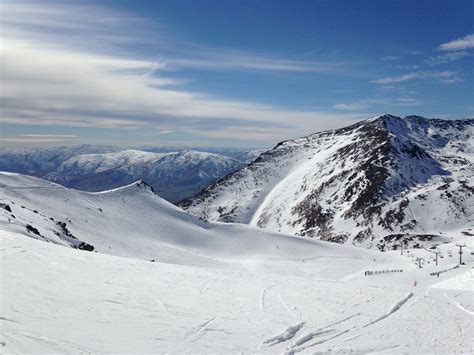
[379, 177]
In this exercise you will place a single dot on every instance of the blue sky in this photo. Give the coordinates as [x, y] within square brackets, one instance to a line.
[226, 73]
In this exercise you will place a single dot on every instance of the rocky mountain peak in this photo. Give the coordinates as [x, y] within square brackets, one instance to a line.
[359, 184]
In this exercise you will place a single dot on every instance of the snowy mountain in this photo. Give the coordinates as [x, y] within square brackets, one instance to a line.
[40, 161]
[174, 175]
[176, 283]
[243, 155]
[375, 183]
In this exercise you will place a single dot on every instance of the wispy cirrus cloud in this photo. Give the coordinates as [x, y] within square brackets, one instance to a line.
[466, 42]
[88, 27]
[48, 136]
[375, 102]
[158, 133]
[244, 61]
[446, 58]
[52, 75]
[452, 51]
[447, 76]
[391, 58]
[37, 138]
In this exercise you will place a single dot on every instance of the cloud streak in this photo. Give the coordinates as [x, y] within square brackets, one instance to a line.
[238, 60]
[371, 102]
[38, 138]
[446, 58]
[446, 76]
[462, 43]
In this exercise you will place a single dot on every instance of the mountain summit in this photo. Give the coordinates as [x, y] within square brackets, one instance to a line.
[374, 183]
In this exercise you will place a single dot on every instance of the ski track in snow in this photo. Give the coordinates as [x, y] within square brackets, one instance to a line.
[198, 331]
[288, 334]
[458, 305]
[285, 305]
[300, 344]
[395, 308]
[262, 304]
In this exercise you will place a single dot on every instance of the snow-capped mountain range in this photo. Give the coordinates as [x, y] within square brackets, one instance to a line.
[41, 161]
[174, 174]
[374, 183]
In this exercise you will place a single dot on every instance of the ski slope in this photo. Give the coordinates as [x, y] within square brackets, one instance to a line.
[57, 299]
[212, 287]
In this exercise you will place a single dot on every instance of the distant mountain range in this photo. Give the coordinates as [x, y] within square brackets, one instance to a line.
[174, 174]
[374, 183]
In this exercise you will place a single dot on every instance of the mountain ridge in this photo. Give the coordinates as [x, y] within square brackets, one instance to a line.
[356, 178]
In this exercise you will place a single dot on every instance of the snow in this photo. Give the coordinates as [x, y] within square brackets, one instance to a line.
[133, 159]
[464, 281]
[134, 222]
[213, 287]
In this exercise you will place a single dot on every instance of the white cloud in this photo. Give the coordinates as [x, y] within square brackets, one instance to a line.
[238, 60]
[466, 42]
[399, 78]
[88, 27]
[391, 58]
[158, 133]
[367, 103]
[48, 135]
[446, 58]
[38, 138]
[443, 76]
[351, 106]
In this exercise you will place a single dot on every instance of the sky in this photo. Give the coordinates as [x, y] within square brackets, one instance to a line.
[226, 73]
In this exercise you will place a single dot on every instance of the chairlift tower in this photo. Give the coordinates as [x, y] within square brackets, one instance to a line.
[436, 256]
[460, 252]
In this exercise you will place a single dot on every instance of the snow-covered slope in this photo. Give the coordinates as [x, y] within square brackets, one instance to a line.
[212, 287]
[173, 175]
[133, 221]
[373, 183]
[59, 300]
